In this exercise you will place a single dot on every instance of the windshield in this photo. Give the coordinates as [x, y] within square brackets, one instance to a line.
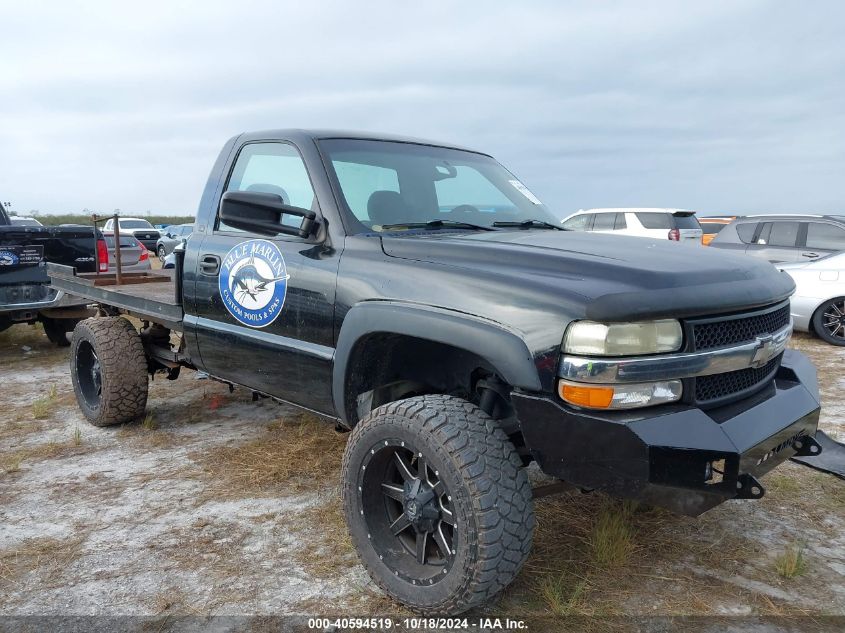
[389, 184]
[135, 224]
[25, 222]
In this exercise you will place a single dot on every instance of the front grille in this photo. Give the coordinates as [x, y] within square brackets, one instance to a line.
[718, 386]
[739, 330]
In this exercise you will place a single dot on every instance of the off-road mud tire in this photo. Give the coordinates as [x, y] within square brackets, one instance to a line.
[491, 495]
[123, 370]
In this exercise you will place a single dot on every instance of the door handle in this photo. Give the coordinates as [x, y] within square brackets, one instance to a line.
[810, 255]
[210, 265]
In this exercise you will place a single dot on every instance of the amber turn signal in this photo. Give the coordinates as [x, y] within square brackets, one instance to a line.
[586, 395]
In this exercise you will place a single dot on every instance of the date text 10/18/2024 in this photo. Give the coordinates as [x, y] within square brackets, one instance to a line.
[445, 624]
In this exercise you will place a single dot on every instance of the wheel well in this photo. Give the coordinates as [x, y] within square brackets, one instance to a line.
[384, 367]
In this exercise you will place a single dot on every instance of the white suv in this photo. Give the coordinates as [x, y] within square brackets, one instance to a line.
[141, 229]
[673, 224]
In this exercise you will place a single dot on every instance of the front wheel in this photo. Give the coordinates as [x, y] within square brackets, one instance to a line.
[162, 253]
[829, 321]
[437, 503]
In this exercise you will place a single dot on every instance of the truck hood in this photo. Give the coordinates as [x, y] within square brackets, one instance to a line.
[614, 278]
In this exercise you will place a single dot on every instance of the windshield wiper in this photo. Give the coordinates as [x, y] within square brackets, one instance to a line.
[437, 224]
[530, 224]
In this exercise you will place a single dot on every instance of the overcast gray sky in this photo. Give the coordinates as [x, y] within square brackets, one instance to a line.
[717, 106]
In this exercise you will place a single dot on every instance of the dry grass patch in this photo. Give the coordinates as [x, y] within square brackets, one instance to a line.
[330, 552]
[150, 423]
[44, 406]
[791, 562]
[215, 547]
[563, 594]
[46, 555]
[11, 461]
[594, 556]
[611, 537]
[295, 453]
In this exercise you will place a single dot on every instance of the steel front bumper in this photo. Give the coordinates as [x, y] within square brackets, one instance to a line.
[671, 456]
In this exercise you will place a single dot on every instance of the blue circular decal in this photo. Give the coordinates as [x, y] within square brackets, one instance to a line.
[253, 282]
[8, 258]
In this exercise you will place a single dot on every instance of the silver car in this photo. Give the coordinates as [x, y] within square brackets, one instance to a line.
[134, 256]
[172, 235]
[818, 304]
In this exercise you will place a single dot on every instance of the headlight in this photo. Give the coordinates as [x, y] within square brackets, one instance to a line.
[621, 396]
[623, 339]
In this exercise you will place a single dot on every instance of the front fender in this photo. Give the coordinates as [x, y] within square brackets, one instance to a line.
[502, 348]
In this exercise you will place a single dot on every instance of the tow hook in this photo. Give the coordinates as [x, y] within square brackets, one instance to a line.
[747, 487]
[807, 446]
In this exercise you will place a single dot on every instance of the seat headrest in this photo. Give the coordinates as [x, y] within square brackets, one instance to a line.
[388, 207]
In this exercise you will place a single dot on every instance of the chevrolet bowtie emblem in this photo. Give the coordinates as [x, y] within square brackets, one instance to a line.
[767, 349]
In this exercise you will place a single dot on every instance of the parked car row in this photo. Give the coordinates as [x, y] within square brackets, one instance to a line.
[677, 225]
[810, 248]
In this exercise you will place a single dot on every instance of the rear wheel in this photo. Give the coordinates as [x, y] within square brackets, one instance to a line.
[437, 502]
[57, 329]
[109, 370]
[162, 253]
[829, 321]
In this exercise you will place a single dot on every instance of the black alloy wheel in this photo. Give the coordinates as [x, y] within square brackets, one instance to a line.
[829, 321]
[89, 374]
[409, 512]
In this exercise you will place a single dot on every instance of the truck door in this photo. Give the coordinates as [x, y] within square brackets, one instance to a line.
[264, 305]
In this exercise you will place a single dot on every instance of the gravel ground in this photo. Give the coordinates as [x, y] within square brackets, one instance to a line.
[169, 516]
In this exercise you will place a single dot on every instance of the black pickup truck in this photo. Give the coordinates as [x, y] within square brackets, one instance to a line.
[25, 292]
[419, 295]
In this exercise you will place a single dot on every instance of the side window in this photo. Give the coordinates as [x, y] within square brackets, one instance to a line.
[272, 168]
[577, 223]
[826, 237]
[746, 232]
[783, 234]
[655, 220]
[604, 221]
[359, 181]
[621, 223]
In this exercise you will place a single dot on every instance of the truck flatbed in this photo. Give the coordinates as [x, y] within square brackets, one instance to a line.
[149, 296]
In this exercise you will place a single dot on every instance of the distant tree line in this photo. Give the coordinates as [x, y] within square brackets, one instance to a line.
[85, 218]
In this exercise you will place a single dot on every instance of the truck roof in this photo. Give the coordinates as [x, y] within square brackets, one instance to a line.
[297, 134]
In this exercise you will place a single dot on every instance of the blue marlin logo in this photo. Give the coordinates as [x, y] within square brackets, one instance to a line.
[248, 282]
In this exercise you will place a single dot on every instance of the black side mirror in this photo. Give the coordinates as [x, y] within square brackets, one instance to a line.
[262, 213]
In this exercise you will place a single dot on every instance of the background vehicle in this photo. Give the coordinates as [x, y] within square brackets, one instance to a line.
[674, 224]
[818, 304]
[25, 292]
[24, 221]
[784, 238]
[140, 228]
[134, 256]
[421, 296]
[711, 226]
[172, 235]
